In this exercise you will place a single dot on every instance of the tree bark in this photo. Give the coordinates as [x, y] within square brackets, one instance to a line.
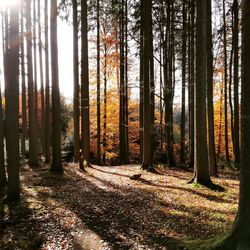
[76, 85]
[56, 164]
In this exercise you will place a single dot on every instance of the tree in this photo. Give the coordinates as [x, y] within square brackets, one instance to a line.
[201, 171]
[183, 98]
[240, 234]
[33, 137]
[98, 86]
[76, 84]
[47, 87]
[147, 162]
[85, 161]
[56, 164]
[236, 81]
[40, 48]
[210, 104]
[12, 106]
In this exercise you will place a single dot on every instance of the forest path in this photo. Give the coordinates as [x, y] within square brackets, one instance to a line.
[104, 209]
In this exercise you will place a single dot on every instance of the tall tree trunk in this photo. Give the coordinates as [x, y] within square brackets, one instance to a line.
[201, 167]
[76, 84]
[40, 47]
[183, 98]
[98, 87]
[35, 58]
[33, 137]
[24, 96]
[236, 82]
[85, 161]
[147, 163]
[122, 88]
[210, 103]
[12, 107]
[47, 87]
[56, 164]
[225, 82]
[240, 234]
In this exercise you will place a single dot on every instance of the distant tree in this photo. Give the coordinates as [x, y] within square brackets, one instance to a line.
[56, 164]
[12, 105]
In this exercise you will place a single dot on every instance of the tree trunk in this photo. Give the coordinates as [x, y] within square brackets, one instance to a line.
[147, 163]
[225, 82]
[183, 98]
[85, 161]
[200, 124]
[210, 103]
[236, 82]
[240, 235]
[98, 87]
[12, 107]
[76, 84]
[33, 137]
[40, 47]
[56, 164]
[47, 88]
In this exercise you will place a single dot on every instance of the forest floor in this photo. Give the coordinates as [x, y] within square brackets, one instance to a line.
[104, 209]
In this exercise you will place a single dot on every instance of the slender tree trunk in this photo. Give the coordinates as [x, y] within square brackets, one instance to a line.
[210, 103]
[56, 164]
[105, 106]
[47, 87]
[24, 96]
[122, 88]
[183, 99]
[33, 137]
[12, 107]
[225, 83]
[236, 82]
[85, 161]
[98, 87]
[76, 84]
[40, 46]
[147, 163]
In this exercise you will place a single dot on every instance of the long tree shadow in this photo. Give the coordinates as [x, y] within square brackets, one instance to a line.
[125, 216]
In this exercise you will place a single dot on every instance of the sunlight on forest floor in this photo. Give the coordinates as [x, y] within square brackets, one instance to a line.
[105, 209]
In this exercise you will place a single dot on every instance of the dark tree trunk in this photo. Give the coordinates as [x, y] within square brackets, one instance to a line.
[210, 103]
[76, 85]
[12, 107]
[33, 137]
[240, 235]
[56, 164]
[47, 88]
[85, 160]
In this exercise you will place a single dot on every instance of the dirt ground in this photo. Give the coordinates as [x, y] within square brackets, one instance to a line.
[103, 209]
